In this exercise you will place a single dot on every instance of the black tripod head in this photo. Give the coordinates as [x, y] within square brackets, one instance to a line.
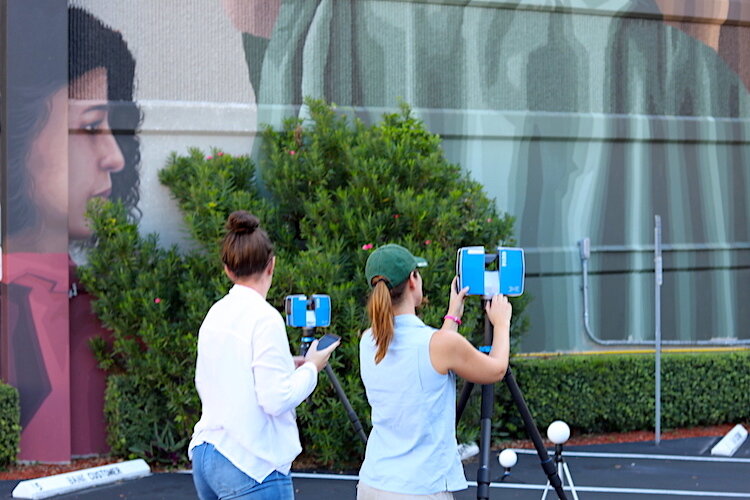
[308, 335]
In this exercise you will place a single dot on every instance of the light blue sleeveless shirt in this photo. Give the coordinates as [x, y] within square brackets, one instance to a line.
[412, 447]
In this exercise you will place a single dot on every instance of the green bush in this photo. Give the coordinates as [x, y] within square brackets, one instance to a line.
[615, 393]
[334, 188]
[151, 298]
[10, 426]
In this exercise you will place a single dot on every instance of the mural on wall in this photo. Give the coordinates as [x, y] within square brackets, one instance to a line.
[582, 118]
[603, 122]
[52, 174]
[695, 175]
[103, 162]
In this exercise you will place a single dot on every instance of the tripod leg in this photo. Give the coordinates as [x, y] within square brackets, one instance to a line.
[570, 480]
[463, 399]
[347, 405]
[559, 473]
[547, 486]
[547, 464]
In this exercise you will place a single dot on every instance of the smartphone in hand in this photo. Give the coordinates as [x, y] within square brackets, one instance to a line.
[327, 340]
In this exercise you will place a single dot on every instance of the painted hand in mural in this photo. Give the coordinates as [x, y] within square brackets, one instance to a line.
[718, 24]
[255, 17]
[678, 12]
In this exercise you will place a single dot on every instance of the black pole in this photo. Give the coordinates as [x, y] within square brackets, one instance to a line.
[531, 430]
[485, 426]
[483, 474]
[308, 335]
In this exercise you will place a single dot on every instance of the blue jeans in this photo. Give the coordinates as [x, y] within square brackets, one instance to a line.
[216, 478]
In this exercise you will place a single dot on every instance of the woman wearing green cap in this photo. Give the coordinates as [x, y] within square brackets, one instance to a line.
[409, 371]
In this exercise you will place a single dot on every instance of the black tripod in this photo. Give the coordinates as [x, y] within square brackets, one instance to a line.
[308, 335]
[488, 400]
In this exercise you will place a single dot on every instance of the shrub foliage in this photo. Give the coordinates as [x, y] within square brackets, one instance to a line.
[615, 393]
[333, 189]
[10, 427]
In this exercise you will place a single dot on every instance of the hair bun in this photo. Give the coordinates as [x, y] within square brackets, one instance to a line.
[241, 222]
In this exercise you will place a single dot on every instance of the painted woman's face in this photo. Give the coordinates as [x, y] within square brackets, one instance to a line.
[93, 153]
[60, 190]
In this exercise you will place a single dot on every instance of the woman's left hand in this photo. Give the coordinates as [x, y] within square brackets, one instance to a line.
[298, 361]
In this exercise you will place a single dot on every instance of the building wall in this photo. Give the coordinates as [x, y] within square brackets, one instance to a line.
[582, 118]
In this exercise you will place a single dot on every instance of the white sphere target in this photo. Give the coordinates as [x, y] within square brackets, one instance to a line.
[558, 432]
[507, 458]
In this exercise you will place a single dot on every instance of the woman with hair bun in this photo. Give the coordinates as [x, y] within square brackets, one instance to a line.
[409, 371]
[244, 444]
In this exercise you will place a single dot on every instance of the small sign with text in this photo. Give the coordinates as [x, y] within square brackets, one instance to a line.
[46, 487]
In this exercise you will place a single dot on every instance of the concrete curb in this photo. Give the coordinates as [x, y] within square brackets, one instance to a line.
[68, 482]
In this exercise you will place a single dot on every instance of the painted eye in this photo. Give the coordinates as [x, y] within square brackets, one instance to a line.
[93, 127]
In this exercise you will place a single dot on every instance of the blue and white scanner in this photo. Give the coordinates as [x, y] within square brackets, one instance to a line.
[308, 313]
[475, 270]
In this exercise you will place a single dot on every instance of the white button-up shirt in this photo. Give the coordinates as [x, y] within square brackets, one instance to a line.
[248, 385]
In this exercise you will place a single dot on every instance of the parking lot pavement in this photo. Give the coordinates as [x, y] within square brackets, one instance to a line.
[675, 469]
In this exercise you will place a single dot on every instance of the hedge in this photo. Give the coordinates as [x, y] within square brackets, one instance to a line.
[10, 426]
[615, 393]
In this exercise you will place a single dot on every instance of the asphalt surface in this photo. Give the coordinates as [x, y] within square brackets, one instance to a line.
[675, 469]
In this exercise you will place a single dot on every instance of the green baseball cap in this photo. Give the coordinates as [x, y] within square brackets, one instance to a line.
[393, 262]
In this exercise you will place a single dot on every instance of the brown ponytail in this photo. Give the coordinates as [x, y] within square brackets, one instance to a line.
[380, 309]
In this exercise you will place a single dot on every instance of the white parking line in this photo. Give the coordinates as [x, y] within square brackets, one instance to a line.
[632, 491]
[312, 475]
[645, 456]
[539, 487]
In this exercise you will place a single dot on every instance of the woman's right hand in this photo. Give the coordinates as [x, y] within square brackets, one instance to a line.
[499, 310]
[320, 358]
[456, 301]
